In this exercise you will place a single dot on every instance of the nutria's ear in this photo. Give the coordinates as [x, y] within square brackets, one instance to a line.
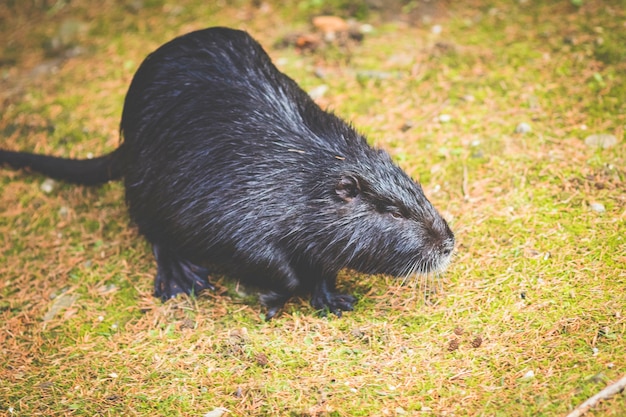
[348, 187]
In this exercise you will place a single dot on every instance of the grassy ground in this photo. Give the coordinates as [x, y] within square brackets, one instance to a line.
[531, 319]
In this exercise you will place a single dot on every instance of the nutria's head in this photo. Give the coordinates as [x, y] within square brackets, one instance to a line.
[378, 220]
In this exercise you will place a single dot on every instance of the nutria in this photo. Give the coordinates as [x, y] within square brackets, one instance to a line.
[231, 168]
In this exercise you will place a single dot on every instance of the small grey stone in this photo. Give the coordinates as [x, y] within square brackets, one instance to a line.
[66, 37]
[523, 128]
[366, 28]
[64, 211]
[47, 186]
[597, 207]
[137, 5]
[376, 75]
[602, 140]
[469, 98]
[50, 66]
[218, 412]
[60, 303]
[318, 91]
[319, 72]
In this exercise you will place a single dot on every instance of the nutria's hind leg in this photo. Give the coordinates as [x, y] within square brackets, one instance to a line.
[176, 275]
[326, 298]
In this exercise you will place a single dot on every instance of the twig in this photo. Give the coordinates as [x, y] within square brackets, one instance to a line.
[464, 185]
[606, 393]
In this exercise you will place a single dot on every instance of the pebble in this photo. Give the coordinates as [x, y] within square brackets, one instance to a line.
[64, 211]
[602, 140]
[528, 375]
[478, 154]
[68, 34]
[319, 72]
[281, 61]
[376, 75]
[60, 303]
[218, 412]
[318, 92]
[136, 5]
[48, 67]
[47, 186]
[445, 118]
[523, 128]
[366, 28]
[597, 207]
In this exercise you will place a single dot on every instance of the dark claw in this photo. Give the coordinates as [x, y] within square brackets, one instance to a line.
[336, 303]
[199, 275]
[274, 301]
[176, 276]
[271, 313]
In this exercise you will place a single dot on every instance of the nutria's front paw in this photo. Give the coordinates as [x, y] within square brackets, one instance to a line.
[333, 302]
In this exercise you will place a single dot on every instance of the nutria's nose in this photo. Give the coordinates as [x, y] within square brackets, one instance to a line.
[447, 247]
[443, 237]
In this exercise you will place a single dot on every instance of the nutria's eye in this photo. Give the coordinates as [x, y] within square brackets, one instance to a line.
[394, 212]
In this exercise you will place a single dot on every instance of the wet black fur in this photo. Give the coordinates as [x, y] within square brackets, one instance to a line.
[231, 168]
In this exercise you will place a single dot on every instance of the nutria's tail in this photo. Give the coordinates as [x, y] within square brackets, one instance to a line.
[78, 171]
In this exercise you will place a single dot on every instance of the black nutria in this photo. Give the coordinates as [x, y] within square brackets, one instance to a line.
[231, 168]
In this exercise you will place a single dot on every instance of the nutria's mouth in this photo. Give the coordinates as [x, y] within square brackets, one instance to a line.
[433, 264]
